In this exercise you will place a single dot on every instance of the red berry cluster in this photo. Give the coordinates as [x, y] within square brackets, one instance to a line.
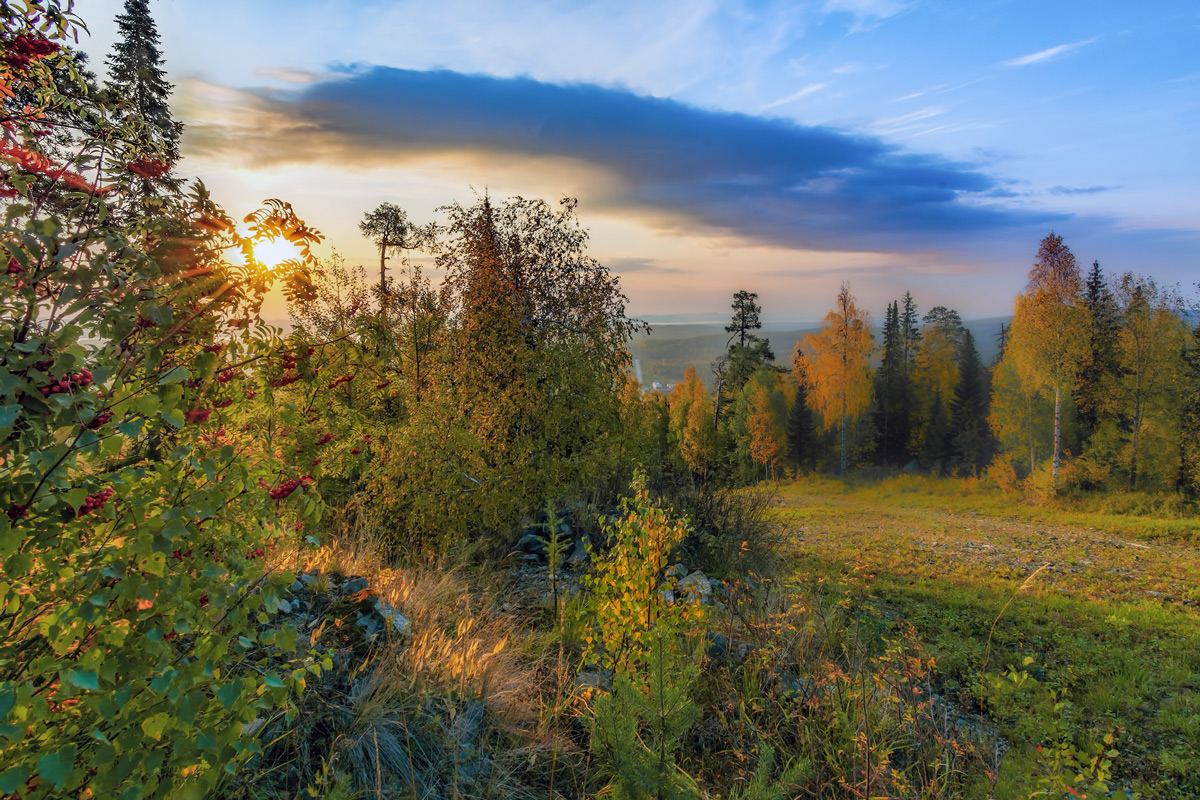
[66, 383]
[255, 553]
[24, 49]
[178, 555]
[285, 489]
[197, 415]
[324, 440]
[228, 401]
[339, 381]
[16, 512]
[100, 419]
[213, 348]
[95, 502]
[225, 376]
[142, 322]
[383, 384]
[284, 380]
[14, 268]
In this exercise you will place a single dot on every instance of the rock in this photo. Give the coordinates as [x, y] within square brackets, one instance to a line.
[579, 554]
[285, 607]
[531, 543]
[721, 647]
[677, 572]
[308, 579]
[666, 594]
[372, 626]
[296, 586]
[697, 586]
[400, 623]
[354, 586]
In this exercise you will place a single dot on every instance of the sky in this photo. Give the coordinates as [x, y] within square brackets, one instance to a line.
[777, 147]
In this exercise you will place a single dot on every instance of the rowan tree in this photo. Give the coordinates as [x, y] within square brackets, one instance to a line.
[836, 365]
[1189, 435]
[1048, 339]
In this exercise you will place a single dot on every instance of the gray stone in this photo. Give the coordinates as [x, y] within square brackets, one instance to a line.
[531, 543]
[677, 572]
[296, 586]
[696, 586]
[285, 607]
[579, 554]
[308, 579]
[400, 623]
[354, 586]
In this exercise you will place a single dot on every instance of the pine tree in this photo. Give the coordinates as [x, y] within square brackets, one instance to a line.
[749, 351]
[135, 74]
[970, 436]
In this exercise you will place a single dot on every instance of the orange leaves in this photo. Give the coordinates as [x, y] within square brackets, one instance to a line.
[834, 364]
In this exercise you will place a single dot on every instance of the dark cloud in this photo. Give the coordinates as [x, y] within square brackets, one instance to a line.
[768, 179]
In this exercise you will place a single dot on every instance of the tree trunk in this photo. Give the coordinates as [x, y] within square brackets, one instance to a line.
[1057, 417]
[843, 438]
[382, 271]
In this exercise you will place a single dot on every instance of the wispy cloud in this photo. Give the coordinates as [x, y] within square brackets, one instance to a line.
[1074, 190]
[791, 98]
[763, 179]
[1047, 54]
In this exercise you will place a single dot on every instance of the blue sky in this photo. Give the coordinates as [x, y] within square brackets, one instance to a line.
[715, 146]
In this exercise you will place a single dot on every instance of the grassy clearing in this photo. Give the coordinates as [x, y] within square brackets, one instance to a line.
[1111, 626]
[1145, 516]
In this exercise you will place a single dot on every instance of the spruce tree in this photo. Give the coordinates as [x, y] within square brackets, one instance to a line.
[136, 76]
[934, 447]
[801, 432]
[1101, 366]
[970, 437]
[893, 393]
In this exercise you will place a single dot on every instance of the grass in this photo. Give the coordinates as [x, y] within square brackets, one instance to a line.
[1111, 624]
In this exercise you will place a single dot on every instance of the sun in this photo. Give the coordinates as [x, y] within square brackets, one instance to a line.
[273, 252]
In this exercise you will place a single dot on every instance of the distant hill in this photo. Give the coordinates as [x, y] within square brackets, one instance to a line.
[668, 350]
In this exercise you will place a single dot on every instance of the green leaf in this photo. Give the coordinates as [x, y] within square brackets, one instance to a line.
[56, 767]
[13, 778]
[230, 693]
[8, 415]
[154, 725]
[173, 417]
[273, 680]
[83, 679]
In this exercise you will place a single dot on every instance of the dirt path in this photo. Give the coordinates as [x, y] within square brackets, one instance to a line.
[1083, 562]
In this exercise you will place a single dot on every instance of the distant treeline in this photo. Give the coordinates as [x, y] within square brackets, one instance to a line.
[1094, 384]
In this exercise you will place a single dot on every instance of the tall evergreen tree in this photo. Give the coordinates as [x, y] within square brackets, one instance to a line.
[135, 74]
[1101, 365]
[969, 435]
[747, 352]
[910, 334]
[801, 432]
[893, 393]
[935, 445]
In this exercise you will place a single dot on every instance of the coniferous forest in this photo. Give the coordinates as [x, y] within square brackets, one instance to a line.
[435, 540]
